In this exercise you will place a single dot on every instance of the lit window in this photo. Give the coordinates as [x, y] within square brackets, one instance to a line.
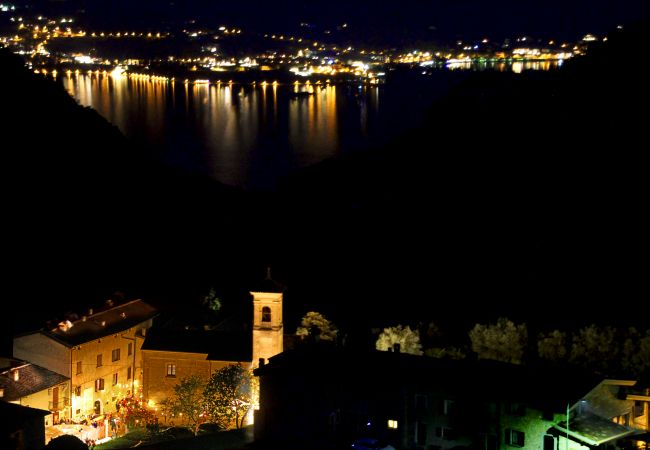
[115, 355]
[392, 424]
[2, 392]
[171, 370]
[515, 438]
[266, 314]
[99, 360]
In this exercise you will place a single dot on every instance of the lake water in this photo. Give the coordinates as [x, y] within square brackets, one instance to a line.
[253, 135]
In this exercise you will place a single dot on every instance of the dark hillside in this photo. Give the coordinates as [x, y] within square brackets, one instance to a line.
[522, 195]
[85, 212]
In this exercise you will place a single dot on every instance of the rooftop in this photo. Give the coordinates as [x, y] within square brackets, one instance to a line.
[103, 323]
[593, 429]
[540, 386]
[31, 379]
[217, 345]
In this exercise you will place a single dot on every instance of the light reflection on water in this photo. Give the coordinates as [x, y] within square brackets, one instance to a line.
[502, 66]
[239, 134]
[253, 135]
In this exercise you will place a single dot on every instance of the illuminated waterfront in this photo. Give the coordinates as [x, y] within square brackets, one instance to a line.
[243, 134]
[253, 134]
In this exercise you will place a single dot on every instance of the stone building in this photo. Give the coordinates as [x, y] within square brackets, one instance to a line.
[171, 353]
[99, 352]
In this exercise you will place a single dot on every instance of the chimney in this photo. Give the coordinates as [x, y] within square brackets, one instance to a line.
[262, 362]
[396, 348]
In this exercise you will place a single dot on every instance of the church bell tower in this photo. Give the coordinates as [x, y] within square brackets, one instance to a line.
[267, 319]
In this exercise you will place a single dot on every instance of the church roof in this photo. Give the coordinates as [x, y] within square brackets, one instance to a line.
[217, 345]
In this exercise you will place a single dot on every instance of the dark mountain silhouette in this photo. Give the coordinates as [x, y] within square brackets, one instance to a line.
[521, 195]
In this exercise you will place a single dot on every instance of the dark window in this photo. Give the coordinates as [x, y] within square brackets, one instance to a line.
[115, 355]
[445, 433]
[420, 402]
[99, 360]
[99, 384]
[128, 373]
[516, 409]
[549, 442]
[638, 409]
[491, 442]
[130, 349]
[171, 370]
[447, 407]
[114, 379]
[77, 391]
[266, 314]
[515, 438]
[421, 433]
[79, 367]
[548, 415]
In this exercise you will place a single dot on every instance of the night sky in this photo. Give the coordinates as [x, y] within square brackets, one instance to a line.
[441, 19]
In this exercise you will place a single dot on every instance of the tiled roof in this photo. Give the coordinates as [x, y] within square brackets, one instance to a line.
[218, 345]
[103, 323]
[31, 379]
[593, 429]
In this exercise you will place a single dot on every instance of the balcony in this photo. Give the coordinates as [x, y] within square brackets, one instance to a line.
[59, 405]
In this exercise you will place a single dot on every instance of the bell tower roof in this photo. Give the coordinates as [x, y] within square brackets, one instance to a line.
[268, 284]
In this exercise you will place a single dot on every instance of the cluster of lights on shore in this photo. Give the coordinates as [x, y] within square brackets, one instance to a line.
[302, 62]
[119, 73]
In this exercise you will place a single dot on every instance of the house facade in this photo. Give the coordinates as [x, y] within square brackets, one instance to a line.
[170, 357]
[100, 352]
[30, 385]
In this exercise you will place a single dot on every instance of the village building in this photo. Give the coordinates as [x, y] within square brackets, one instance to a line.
[99, 352]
